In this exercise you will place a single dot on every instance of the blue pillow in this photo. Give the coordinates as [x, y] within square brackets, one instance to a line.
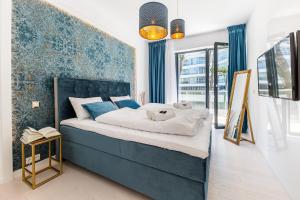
[130, 103]
[99, 108]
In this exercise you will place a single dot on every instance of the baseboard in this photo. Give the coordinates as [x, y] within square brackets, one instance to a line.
[5, 180]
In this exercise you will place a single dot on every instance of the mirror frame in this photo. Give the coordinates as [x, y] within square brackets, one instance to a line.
[245, 108]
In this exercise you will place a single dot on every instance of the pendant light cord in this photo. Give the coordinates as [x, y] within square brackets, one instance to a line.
[177, 9]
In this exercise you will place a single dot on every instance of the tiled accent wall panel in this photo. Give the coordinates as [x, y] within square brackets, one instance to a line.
[48, 43]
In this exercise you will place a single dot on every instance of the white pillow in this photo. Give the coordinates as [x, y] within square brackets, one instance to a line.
[77, 103]
[120, 98]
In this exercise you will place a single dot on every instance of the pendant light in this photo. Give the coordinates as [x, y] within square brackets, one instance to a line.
[177, 27]
[153, 23]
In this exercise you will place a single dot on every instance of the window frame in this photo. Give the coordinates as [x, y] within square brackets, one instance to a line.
[207, 58]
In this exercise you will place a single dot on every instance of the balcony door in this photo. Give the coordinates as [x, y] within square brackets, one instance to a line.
[220, 68]
[193, 78]
[202, 80]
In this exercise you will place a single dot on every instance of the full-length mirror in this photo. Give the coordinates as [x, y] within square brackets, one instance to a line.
[238, 105]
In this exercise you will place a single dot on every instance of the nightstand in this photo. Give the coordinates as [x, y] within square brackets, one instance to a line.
[33, 173]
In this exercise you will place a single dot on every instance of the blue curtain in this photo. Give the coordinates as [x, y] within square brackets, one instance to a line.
[157, 71]
[237, 56]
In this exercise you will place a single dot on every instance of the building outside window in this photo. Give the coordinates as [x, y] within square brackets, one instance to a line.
[193, 84]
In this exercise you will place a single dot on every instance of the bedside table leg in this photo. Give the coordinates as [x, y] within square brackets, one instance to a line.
[33, 166]
[60, 155]
[23, 162]
[49, 147]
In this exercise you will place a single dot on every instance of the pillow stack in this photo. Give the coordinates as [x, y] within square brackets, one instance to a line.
[125, 101]
[130, 103]
[93, 107]
[99, 108]
[77, 103]
[120, 98]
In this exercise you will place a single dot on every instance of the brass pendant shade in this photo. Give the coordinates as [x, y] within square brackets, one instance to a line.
[153, 21]
[177, 29]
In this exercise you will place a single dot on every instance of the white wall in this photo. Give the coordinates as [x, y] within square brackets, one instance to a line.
[5, 92]
[201, 40]
[276, 122]
[100, 15]
[88, 11]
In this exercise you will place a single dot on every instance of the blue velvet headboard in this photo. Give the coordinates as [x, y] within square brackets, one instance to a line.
[67, 87]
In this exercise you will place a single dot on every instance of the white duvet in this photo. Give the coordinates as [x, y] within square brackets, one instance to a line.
[186, 122]
[197, 145]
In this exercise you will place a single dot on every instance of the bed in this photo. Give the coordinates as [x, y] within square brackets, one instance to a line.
[154, 168]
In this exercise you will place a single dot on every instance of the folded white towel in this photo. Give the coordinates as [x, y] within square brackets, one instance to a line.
[160, 115]
[204, 113]
[183, 105]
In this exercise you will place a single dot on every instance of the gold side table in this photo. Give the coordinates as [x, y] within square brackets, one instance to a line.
[33, 173]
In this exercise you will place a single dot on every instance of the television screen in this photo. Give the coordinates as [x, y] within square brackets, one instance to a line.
[298, 67]
[277, 70]
[283, 87]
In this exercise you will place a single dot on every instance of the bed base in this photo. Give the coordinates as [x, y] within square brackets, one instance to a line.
[152, 182]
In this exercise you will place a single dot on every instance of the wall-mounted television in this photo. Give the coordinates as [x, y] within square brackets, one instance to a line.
[278, 70]
[298, 61]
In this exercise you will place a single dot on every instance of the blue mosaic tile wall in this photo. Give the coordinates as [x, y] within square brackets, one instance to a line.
[47, 42]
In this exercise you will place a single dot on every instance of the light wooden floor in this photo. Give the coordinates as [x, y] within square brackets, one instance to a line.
[241, 173]
[237, 173]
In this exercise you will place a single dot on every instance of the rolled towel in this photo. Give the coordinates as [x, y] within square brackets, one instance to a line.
[160, 115]
[183, 105]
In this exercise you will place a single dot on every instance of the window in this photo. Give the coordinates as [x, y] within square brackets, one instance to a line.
[191, 68]
[202, 80]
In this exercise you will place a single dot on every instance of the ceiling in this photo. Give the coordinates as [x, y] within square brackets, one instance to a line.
[121, 17]
[200, 15]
